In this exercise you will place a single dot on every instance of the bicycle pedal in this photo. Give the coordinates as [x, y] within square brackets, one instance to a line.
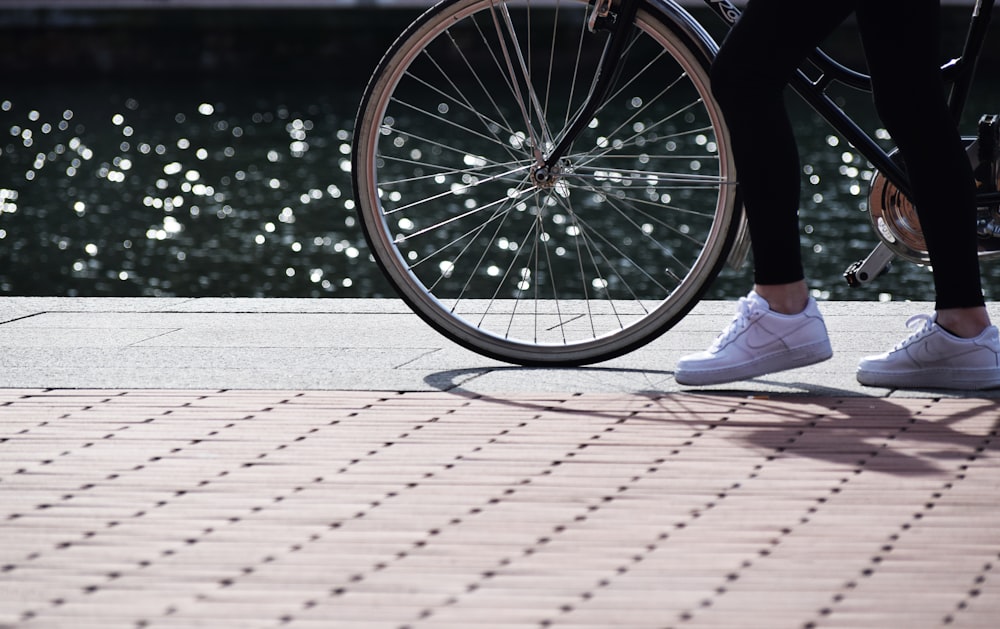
[874, 265]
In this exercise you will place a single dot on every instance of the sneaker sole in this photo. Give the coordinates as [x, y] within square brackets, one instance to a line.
[800, 357]
[967, 380]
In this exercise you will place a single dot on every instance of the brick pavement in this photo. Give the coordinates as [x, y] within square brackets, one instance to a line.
[344, 509]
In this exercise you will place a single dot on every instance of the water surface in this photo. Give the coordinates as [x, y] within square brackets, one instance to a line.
[132, 186]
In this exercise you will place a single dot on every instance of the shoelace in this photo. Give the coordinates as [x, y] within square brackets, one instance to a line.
[744, 307]
[921, 324]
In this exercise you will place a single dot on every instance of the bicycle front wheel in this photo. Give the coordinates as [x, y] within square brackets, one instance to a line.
[609, 251]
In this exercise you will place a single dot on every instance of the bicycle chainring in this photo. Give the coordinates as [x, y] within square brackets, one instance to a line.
[894, 217]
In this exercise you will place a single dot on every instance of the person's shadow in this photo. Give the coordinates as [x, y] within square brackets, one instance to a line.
[915, 436]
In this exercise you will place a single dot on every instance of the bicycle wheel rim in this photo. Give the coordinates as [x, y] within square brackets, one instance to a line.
[607, 257]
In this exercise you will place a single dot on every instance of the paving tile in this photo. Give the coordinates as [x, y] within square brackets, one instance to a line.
[309, 508]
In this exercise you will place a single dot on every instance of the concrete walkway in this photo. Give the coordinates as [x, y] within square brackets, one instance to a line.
[336, 464]
[369, 345]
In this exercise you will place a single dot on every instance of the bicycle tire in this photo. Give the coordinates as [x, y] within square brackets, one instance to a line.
[601, 261]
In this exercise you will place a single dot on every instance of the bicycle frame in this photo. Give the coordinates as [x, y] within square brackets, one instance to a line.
[958, 72]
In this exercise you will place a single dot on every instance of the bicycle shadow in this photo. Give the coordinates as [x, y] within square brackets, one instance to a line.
[905, 437]
[910, 437]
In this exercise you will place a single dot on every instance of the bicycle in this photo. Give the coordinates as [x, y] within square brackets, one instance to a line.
[543, 199]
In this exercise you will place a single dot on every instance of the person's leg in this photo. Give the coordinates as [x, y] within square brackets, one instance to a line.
[956, 348]
[902, 44]
[777, 326]
[749, 78]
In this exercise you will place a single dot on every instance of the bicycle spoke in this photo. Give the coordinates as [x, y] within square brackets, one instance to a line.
[595, 153]
[469, 237]
[602, 281]
[593, 85]
[450, 123]
[464, 101]
[442, 223]
[482, 37]
[663, 180]
[514, 82]
[461, 100]
[581, 36]
[526, 74]
[439, 171]
[521, 285]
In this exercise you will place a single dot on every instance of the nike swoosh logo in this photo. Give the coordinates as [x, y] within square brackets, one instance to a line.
[929, 351]
[922, 353]
[760, 337]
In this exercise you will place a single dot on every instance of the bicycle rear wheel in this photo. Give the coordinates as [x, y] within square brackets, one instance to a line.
[604, 256]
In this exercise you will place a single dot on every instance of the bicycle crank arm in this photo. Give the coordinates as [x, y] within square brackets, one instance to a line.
[864, 271]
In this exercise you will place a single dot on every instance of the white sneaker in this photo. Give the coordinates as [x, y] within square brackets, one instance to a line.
[757, 342]
[933, 358]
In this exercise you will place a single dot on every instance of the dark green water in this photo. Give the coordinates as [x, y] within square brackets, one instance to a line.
[215, 183]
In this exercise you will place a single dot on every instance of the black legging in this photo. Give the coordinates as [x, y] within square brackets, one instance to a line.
[902, 46]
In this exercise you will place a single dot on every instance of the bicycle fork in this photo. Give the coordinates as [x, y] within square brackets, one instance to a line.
[601, 19]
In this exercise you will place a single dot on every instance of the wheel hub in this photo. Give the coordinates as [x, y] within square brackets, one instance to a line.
[546, 177]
